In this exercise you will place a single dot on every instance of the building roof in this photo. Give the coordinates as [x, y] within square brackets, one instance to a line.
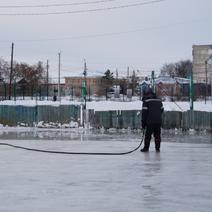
[89, 74]
[170, 80]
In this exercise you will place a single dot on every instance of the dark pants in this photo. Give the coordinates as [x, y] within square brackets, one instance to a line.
[154, 129]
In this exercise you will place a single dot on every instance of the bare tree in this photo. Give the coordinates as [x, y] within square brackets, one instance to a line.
[182, 69]
[4, 70]
[32, 74]
[168, 69]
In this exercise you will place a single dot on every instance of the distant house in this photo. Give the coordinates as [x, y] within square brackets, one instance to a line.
[21, 81]
[173, 87]
[22, 87]
[144, 84]
[95, 84]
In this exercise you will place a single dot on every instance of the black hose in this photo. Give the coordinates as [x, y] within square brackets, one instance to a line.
[74, 153]
[168, 95]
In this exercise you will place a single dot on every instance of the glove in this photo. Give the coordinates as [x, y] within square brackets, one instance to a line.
[143, 125]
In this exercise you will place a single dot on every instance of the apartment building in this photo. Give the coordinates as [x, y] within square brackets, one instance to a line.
[202, 64]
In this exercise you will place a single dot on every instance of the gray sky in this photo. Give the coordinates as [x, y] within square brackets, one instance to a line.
[142, 37]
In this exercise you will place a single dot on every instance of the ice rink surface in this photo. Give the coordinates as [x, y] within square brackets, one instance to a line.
[179, 178]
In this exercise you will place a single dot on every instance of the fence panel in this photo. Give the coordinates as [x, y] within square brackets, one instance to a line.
[171, 119]
[23, 115]
[198, 120]
[130, 119]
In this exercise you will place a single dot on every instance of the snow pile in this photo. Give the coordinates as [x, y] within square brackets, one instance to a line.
[43, 124]
[137, 105]
[32, 103]
[114, 105]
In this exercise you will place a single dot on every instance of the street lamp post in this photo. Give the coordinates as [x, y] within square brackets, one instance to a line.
[191, 93]
[85, 82]
[59, 68]
[206, 80]
[206, 76]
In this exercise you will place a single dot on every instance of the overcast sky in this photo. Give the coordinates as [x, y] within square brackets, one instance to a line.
[143, 37]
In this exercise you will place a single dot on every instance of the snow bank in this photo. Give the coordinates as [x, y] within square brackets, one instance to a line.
[137, 105]
[115, 105]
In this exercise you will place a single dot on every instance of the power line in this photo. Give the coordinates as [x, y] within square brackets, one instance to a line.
[107, 34]
[56, 5]
[83, 11]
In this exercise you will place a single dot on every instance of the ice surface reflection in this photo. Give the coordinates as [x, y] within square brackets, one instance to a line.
[151, 193]
[80, 134]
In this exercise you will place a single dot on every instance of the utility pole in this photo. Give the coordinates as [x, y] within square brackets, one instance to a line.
[206, 76]
[11, 71]
[153, 81]
[58, 87]
[85, 69]
[128, 76]
[117, 76]
[133, 82]
[84, 84]
[83, 94]
[191, 91]
[47, 79]
[128, 72]
[206, 80]
[127, 83]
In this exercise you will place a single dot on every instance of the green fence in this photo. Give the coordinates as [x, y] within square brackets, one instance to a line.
[197, 120]
[16, 115]
[116, 119]
[13, 115]
[171, 119]
[27, 116]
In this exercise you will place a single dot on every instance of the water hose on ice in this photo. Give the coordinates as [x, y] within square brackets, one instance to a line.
[74, 153]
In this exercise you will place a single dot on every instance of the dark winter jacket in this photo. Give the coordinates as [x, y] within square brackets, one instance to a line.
[152, 110]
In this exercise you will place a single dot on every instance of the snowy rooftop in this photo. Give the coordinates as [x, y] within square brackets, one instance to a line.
[170, 80]
[89, 74]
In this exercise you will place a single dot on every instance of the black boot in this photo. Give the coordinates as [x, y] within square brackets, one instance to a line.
[144, 150]
[157, 144]
[157, 149]
[146, 146]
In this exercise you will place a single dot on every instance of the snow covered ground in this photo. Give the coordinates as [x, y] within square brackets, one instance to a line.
[176, 179]
[116, 105]
[137, 105]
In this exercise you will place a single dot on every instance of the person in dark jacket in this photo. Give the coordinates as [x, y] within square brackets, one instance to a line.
[152, 110]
